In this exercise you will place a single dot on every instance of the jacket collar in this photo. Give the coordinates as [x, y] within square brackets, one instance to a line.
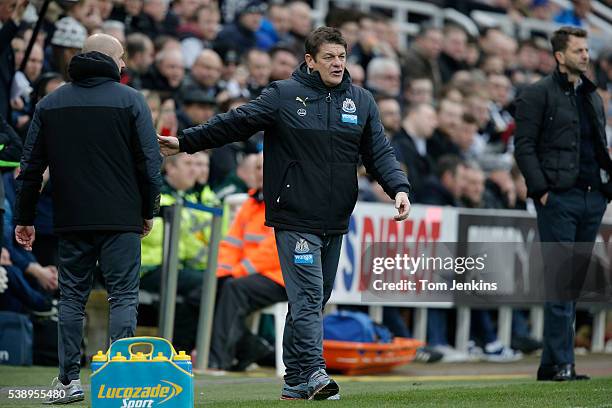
[587, 85]
[313, 80]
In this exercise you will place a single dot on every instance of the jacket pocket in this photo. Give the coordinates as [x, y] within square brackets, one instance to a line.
[303, 191]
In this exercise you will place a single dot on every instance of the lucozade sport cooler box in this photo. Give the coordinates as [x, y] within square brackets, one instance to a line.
[126, 378]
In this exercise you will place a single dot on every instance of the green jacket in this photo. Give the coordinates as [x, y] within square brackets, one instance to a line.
[194, 233]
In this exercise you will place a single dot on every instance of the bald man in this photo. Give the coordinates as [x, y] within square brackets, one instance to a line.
[205, 74]
[98, 140]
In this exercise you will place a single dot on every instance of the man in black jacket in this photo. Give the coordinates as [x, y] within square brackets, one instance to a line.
[98, 139]
[316, 125]
[561, 150]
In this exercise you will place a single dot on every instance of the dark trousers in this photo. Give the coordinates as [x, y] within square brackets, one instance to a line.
[238, 299]
[309, 281]
[118, 257]
[568, 217]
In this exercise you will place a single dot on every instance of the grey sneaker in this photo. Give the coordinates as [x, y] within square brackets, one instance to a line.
[300, 392]
[65, 394]
[321, 386]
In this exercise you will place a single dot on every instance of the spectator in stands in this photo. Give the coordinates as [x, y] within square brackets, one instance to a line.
[284, 63]
[115, 29]
[576, 15]
[197, 108]
[357, 74]
[105, 8]
[466, 138]
[301, 25]
[478, 105]
[203, 35]
[140, 56]
[384, 77]
[156, 19]
[500, 189]
[500, 89]
[242, 179]
[35, 63]
[241, 34]
[166, 75]
[179, 181]
[421, 59]
[205, 74]
[201, 163]
[23, 105]
[473, 186]
[185, 10]
[452, 57]
[67, 41]
[418, 90]
[410, 145]
[347, 21]
[86, 13]
[249, 256]
[11, 12]
[275, 27]
[259, 66]
[450, 115]
[390, 115]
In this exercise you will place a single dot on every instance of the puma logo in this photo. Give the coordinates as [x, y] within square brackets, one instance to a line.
[297, 98]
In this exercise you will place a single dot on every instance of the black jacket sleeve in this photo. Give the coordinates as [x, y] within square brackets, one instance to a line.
[378, 155]
[10, 145]
[236, 125]
[530, 109]
[33, 164]
[147, 158]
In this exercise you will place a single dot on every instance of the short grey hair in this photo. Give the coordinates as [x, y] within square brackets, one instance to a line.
[380, 65]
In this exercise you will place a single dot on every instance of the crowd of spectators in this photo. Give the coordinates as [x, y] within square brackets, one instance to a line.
[445, 99]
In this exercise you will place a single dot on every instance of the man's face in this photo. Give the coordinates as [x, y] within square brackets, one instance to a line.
[280, 18]
[35, 63]
[426, 121]
[330, 62]
[118, 56]
[499, 89]
[199, 112]
[252, 21]
[301, 20]
[389, 82]
[171, 67]
[157, 9]
[431, 43]
[420, 91]
[207, 70]
[201, 164]
[182, 173]
[449, 117]
[283, 65]
[390, 115]
[143, 60]
[575, 58]
[7, 7]
[209, 24]
[455, 44]
[260, 68]
[473, 187]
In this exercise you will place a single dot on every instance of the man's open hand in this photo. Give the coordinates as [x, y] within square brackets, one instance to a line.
[169, 145]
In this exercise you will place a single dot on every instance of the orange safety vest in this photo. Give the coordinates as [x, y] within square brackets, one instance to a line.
[249, 246]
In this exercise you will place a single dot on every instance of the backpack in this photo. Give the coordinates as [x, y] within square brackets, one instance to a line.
[15, 339]
[352, 326]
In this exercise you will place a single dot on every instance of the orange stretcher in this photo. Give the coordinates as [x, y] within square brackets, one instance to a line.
[354, 358]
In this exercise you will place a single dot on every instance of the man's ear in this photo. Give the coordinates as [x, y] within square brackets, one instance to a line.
[559, 57]
[310, 61]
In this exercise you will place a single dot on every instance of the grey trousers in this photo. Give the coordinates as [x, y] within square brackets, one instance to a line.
[309, 263]
[118, 257]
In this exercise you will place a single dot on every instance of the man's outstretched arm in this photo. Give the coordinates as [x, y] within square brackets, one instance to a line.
[235, 125]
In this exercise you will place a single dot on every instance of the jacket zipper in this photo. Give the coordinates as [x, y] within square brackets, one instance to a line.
[328, 100]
